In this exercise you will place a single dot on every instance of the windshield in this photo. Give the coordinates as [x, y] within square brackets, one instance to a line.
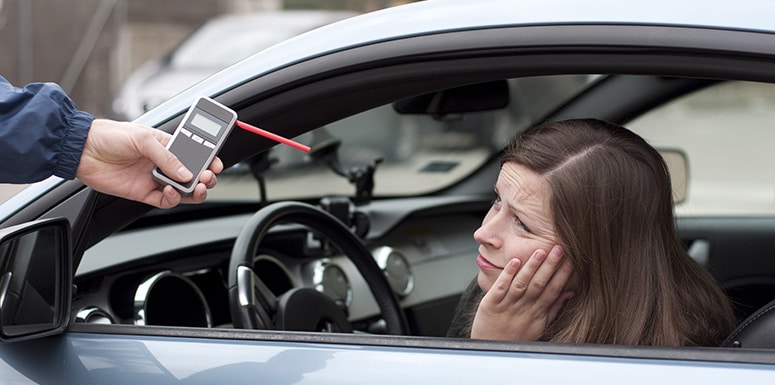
[419, 153]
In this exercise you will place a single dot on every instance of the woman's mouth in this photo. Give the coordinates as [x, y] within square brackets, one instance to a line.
[485, 264]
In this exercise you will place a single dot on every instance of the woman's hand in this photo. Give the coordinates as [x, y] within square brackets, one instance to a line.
[523, 301]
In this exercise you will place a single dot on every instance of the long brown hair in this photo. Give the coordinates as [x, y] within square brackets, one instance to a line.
[611, 201]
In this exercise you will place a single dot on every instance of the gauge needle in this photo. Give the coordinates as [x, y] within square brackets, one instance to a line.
[275, 137]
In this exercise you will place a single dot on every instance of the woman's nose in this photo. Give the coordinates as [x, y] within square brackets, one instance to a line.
[486, 234]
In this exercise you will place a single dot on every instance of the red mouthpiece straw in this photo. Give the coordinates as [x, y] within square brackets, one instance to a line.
[275, 137]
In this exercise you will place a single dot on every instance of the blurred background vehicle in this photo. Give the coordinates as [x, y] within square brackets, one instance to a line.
[219, 43]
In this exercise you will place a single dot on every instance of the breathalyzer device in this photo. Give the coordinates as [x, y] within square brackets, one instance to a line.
[197, 140]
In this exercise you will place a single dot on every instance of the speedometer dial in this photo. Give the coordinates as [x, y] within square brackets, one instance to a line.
[331, 280]
[397, 270]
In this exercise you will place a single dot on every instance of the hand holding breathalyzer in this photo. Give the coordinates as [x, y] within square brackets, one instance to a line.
[201, 134]
[118, 157]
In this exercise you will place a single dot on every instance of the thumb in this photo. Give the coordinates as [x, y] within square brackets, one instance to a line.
[167, 162]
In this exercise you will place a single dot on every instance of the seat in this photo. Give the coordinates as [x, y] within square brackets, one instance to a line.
[756, 332]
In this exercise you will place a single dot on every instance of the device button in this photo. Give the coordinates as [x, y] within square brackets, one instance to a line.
[197, 139]
[185, 132]
[208, 144]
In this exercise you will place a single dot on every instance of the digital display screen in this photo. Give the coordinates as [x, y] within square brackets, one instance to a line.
[206, 124]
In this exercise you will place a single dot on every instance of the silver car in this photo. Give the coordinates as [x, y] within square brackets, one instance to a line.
[346, 265]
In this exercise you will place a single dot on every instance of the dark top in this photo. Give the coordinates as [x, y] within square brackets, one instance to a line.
[42, 133]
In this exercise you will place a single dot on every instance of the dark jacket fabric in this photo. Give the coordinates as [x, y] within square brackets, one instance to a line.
[42, 133]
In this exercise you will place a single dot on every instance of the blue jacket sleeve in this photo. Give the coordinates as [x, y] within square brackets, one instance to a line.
[42, 133]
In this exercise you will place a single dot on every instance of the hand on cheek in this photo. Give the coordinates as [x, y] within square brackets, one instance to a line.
[524, 300]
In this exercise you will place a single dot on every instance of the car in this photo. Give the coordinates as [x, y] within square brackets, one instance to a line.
[346, 264]
[219, 42]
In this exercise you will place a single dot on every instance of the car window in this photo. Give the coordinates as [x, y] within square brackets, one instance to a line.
[726, 132]
[419, 153]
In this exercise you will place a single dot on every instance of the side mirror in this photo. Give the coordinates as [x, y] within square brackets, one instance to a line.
[35, 279]
[678, 166]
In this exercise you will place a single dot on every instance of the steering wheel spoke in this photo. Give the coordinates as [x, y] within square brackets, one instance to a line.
[256, 298]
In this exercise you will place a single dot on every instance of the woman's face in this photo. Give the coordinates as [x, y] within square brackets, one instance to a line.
[518, 223]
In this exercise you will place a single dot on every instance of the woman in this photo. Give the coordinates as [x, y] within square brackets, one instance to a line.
[580, 246]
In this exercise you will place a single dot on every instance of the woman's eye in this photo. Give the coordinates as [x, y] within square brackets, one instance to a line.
[520, 224]
[496, 204]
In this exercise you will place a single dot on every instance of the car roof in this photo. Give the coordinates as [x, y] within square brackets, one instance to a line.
[440, 16]
[294, 21]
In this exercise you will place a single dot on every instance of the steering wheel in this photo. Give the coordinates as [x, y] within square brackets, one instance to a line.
[254, 306]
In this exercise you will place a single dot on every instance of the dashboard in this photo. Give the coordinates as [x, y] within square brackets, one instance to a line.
[176, 274]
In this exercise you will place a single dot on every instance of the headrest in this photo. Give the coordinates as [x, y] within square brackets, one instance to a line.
[756, 332]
